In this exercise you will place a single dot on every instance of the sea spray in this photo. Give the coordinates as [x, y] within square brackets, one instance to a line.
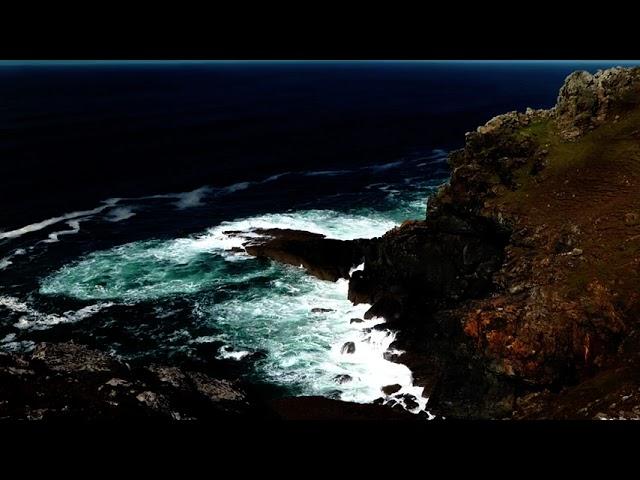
[299, 322]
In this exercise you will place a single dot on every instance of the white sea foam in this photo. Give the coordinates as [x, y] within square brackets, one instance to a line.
[227, 353]
[34, 227]
[275, 177]
[384, 166]
[204, 339]
[36, 320]
[356, 269]
[236, 187]
[327, 173]
[305, 348]
[275, 315]
[8, 338]
[338, 225]
[119, 214]
[75, 228]
[19, 346]
[192, 199]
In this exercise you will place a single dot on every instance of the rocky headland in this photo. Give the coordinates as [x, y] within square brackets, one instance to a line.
[516, 297]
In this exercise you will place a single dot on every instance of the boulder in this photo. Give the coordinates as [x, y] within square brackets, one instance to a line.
[325, 258]
[343, 378]
[348, 347]
[391, 389]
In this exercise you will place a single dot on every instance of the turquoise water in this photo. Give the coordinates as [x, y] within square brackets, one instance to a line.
[257, 305]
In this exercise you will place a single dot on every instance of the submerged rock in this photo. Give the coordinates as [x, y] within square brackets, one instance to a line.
[348, 347]
[343, 378]
[410, 402]
[391, 389]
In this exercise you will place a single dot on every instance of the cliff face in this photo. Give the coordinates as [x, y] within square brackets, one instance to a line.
[530, 253]
[518, 293]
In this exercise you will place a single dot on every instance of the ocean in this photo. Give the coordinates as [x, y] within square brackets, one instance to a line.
[119, 181]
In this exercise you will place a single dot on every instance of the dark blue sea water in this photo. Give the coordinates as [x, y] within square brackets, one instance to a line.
[119, 180]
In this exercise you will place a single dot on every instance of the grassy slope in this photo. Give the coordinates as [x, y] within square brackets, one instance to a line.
[594, 185]
[580, 266]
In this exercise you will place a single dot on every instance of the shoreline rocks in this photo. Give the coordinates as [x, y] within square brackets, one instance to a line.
[324, 258]
[59, 381]
[67, 380]
[522, 276]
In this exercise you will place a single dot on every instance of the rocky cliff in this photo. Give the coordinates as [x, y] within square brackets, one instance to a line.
[528, 259]
[518, 296]
[520, 287]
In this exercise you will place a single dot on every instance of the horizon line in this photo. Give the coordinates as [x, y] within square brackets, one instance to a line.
[202, 61]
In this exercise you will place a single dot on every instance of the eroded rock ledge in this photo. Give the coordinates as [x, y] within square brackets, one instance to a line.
[325, 258]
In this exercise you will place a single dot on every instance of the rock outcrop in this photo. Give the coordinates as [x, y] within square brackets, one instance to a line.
[67, 381]
[587, 101]
[522, 282]
[550, 197]
[327, 259]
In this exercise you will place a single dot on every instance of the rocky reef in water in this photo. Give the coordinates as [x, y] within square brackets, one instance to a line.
[518, 295]
[66, 381]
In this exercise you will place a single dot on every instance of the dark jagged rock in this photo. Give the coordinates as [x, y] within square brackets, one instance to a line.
[427, 264]
[348, 347]
[523, 277]
[67, 380]
[391, 389]
[70, 381]
[72, 358]
[327, 259]
[410, 401]
[343, 378]
[587, 101]
[553, 188]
